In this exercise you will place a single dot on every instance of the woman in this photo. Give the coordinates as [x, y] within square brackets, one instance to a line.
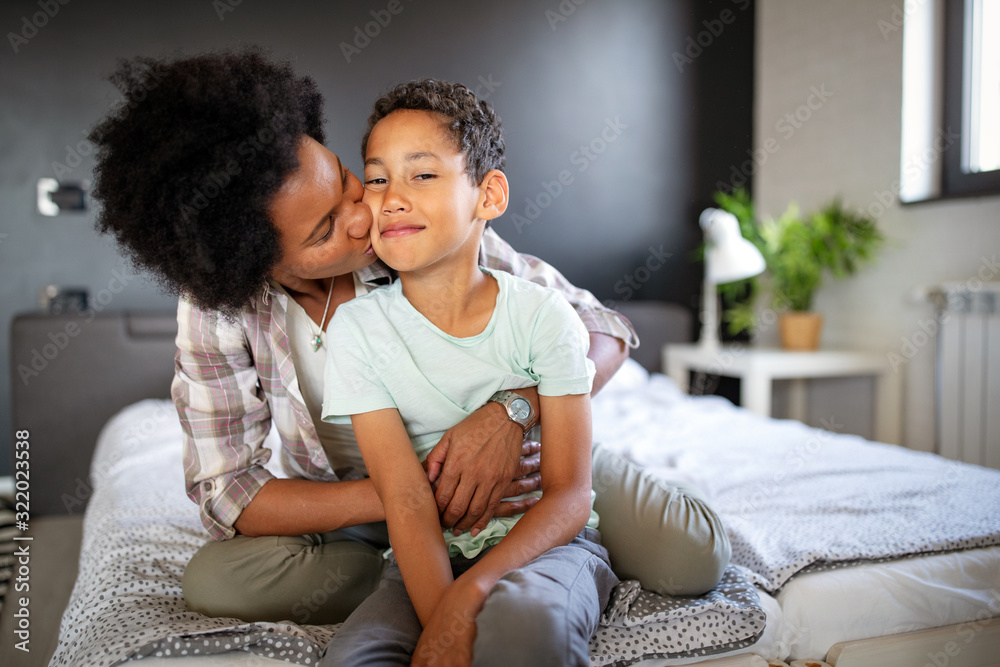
[213, 175]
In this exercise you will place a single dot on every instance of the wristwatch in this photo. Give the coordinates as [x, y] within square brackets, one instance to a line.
[518, 408]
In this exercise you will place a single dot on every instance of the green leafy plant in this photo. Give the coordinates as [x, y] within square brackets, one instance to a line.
[799, 250]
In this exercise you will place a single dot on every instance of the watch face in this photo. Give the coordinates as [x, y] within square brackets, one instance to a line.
[520, 409]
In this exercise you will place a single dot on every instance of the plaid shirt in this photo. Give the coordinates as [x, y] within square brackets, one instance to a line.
[234, 379]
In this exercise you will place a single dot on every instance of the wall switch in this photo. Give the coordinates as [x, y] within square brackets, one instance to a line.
[55, 197]
[60, 300]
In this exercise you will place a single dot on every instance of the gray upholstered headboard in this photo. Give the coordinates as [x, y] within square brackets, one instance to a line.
[69, 375]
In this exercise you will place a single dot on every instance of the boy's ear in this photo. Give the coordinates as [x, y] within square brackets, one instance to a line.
[493, 195]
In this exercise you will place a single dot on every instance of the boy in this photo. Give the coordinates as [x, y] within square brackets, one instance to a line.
[434, 156]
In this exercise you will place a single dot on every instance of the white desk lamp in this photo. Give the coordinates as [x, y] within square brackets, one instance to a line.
[728, 257]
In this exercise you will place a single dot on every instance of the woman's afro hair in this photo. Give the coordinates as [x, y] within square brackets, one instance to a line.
[189, 161]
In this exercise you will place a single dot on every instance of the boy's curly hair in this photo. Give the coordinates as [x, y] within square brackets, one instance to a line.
[189, 161]
[472, 122]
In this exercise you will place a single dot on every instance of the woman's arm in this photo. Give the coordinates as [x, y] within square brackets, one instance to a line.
[303, 506]
[608, 354]
[225, 417]
[223, 414]
[410, 511]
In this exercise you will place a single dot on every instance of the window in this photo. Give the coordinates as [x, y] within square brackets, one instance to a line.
[972, 96]
[951, 99]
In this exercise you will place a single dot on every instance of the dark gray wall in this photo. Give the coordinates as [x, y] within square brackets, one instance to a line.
[613, 95]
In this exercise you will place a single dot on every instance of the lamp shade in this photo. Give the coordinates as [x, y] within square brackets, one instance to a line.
[729, 256]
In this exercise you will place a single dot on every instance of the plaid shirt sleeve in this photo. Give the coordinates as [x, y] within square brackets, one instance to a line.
[495, 253]
[224, 416]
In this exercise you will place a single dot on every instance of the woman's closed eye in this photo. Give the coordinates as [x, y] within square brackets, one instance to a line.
[329, 231]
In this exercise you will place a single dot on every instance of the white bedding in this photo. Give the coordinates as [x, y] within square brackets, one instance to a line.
[794, 498]
[730, 453]
[651, 422]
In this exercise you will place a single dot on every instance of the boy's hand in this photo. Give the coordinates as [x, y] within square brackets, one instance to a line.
[476, 464]
[448, 637]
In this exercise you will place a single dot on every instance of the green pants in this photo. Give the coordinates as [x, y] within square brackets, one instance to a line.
[662, 534]
[314, 579]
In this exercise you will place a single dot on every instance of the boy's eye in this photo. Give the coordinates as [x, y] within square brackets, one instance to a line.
[374, 181]
[424, 177]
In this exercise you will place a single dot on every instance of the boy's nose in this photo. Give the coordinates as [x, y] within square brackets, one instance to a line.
[393, 201]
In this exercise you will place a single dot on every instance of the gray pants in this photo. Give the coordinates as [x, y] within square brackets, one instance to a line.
[665, 535]
[541, 614]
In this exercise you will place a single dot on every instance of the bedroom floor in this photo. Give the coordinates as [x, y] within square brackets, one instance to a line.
[54, 556]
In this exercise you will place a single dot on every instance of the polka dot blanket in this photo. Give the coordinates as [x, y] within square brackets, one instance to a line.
[140, 530]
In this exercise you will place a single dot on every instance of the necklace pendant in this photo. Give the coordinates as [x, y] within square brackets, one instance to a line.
[317, 342]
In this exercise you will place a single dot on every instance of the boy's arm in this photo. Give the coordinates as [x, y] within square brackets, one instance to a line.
[467, 492]
[559, 515]
[487, 441]
[410, 510]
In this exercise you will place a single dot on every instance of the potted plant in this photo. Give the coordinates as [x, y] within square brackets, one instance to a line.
[799, 251]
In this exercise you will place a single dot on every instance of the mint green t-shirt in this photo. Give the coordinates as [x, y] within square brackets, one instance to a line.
[385, 354]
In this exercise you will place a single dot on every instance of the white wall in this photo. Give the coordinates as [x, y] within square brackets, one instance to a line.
[847, 54]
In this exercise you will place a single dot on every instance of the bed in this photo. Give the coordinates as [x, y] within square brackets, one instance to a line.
[857, 552]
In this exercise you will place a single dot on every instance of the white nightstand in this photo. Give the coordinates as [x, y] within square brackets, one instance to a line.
[757, 368]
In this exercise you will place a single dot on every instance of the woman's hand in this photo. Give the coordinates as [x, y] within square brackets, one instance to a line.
[478, 462]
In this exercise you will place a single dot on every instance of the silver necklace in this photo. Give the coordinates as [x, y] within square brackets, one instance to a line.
[317, 340]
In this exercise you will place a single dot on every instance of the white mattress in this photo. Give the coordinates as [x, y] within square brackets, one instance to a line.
[821, 609]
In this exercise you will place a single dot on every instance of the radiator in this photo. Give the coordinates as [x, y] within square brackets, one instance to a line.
[968, 372]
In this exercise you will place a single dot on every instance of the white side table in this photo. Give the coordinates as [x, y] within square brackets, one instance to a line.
[757, 368]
